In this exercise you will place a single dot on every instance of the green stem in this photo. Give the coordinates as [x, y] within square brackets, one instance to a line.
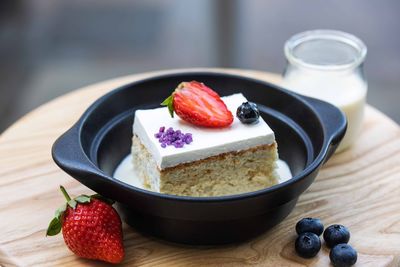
[67, 197]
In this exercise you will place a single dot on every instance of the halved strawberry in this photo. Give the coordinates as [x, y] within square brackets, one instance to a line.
[198, 104]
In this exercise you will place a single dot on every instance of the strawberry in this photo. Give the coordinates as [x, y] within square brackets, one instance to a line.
[198, 104]
[91, 227]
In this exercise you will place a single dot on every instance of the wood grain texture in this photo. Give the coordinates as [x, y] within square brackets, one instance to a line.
[359, 188]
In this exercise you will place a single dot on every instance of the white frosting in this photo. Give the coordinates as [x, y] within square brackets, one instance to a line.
[207, 142]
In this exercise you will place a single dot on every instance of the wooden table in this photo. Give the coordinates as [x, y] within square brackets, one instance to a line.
[359, 188]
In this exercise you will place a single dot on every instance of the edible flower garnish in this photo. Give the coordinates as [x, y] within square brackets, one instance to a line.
[170, 137]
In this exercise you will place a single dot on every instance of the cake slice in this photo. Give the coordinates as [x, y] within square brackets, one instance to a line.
[214, 162]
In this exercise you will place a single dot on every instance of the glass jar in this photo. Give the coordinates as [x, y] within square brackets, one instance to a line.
[328, 65]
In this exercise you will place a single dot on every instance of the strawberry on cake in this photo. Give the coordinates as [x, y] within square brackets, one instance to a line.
[205, 150]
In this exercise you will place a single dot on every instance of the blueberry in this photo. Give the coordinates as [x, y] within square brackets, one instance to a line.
[248, 113]
[312, 225]
[343, 255]
[336, 234]
[307, 245]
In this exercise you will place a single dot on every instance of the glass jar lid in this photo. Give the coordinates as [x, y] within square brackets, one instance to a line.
[325, 50]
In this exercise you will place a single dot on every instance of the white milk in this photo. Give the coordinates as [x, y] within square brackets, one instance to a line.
[127, 174]
[328, 65]
[347, 91]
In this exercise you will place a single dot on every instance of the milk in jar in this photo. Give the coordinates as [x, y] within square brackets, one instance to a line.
[328, 65]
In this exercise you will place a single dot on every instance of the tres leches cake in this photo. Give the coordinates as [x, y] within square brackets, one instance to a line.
[204, 151]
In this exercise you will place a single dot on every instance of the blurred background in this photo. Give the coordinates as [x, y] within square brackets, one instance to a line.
[50, 47]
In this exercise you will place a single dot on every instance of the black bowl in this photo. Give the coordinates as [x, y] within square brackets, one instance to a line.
[307, 132]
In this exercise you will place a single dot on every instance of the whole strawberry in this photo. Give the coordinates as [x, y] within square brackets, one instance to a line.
[91, 227]
[198, 104]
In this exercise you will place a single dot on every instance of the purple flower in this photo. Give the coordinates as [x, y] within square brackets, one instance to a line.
[175, 138]
[178, 144]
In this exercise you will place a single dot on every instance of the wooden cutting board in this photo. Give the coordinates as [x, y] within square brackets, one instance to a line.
[359, 188]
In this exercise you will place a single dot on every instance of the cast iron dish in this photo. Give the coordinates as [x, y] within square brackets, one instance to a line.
[307, 132]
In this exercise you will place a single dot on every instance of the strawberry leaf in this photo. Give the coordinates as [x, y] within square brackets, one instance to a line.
[169, 102]
[72, 203]
[104, 199]
[60, 211]
[54, 227]
[82, 199]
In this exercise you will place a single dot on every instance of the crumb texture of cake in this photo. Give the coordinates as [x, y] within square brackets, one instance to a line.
[225, 174]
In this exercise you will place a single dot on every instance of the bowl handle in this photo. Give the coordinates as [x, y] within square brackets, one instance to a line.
[68, 154]
[334, 122]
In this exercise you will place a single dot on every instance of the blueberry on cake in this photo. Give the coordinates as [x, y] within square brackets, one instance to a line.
[204, 150]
